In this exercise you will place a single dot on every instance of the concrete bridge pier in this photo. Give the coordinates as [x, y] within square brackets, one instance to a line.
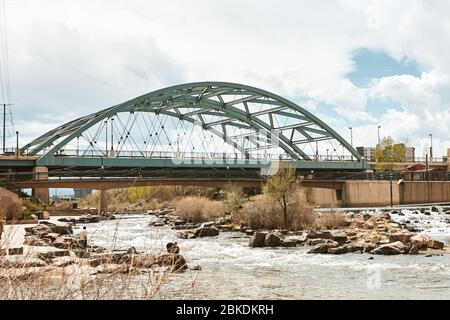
[103, 207]
[40, 173]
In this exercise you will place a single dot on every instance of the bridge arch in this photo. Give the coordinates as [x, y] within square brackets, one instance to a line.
[220, 108]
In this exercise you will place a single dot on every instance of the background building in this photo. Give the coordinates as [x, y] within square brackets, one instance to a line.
[81, 193]
[369, 153]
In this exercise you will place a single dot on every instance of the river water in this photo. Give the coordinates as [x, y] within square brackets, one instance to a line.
[232, 270]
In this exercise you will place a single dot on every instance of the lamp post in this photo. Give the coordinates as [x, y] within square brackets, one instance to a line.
[112, 136]
[431, 148]
[351, 139]
[17, 144]
[106, 138]
[379, 141]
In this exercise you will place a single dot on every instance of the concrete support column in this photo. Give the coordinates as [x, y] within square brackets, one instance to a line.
[103, 208]
[448, 160]
[40, 173]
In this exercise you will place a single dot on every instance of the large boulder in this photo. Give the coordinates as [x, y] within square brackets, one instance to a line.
[20, 262]
[335, 235]
[324, 247]
[314, 234]
[273, 239]
[298, 239]
[62, 229]
[64, 261]
[400, 236]
[314, 242]
[420, 240]
[187, 234]
[206, 232]
[434, 244]
[338, 250]
[390, 248]
[176, 262]
[258, 239]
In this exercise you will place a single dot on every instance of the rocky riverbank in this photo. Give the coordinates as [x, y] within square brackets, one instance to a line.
[364, 232]
[51, 246]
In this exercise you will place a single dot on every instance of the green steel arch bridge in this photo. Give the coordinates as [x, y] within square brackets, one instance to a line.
[205, 129]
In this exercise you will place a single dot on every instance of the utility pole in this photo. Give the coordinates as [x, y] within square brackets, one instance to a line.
[4, 125]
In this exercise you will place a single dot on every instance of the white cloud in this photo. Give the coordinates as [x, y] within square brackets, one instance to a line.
[73, 57]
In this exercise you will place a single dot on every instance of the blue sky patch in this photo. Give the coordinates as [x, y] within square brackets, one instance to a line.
[377, 64]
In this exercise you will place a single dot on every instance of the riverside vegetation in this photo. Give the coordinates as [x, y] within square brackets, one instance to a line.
[53, 266]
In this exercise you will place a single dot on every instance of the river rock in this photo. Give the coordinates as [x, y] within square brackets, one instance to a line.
[411, 248]
[314, 242]
[61, 229]
[390, 248]
[288, 243]
[420, 240]
[314, 235]
[273, 239]
[52, 254]
[434, 244]
[338, 250]
[15, 251]
[20, 262]
[64, 261]
[187, 234]
[402, 237]
[298, 239]
[206, 232]
[176, 262]
[335, 235]
[368, 247]
[115, 257]
[179, 222]
[324, 247]
[258, 239]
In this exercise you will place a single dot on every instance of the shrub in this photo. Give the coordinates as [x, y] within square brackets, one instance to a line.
[332, 220]
[198, 209]
[264, 213]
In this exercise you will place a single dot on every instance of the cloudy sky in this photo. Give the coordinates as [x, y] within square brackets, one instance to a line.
[352, 63]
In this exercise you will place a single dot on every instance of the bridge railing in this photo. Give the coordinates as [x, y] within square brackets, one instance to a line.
[193, 155]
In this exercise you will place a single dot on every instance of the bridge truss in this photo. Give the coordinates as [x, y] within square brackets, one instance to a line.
[205, 120]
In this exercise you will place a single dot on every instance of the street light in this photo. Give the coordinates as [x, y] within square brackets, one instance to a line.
[351, 138]
[379, 141]
[431, 147]
[17, 144]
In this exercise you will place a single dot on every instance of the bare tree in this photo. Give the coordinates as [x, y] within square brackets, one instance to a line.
[282, 188]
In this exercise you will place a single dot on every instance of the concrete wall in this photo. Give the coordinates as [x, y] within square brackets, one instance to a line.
[377, 193]
[321, 197]
[369, 193]
[425, 191]
[10, 205]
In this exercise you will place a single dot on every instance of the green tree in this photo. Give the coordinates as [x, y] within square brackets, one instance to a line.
[389, 154]
[282, 188]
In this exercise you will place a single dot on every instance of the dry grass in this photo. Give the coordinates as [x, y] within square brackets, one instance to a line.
[131, 279]
[264, 213]
[198, 209]
[332, 220]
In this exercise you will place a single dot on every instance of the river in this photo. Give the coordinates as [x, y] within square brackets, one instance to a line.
[232, 270]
